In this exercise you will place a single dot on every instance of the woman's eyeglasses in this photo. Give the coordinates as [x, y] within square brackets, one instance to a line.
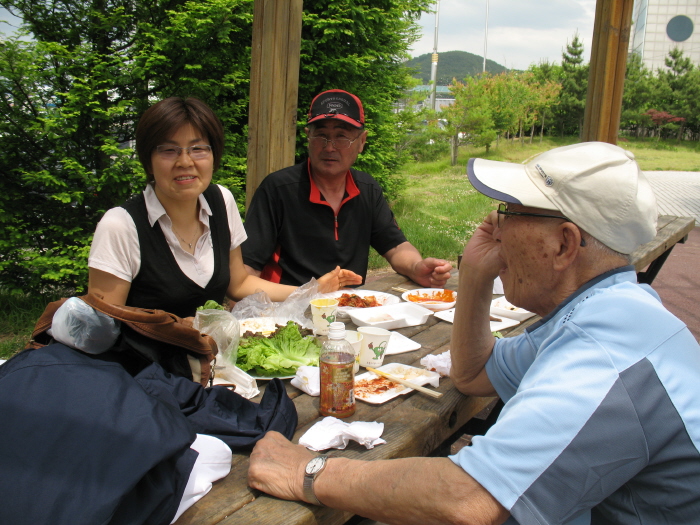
[196, 152]
[503, 214]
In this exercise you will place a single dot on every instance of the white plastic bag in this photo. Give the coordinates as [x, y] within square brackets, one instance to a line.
[80, 326]
[293, 308]
[225, 329]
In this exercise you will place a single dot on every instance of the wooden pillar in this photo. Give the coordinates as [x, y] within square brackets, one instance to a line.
[611, 34]
[274, 88]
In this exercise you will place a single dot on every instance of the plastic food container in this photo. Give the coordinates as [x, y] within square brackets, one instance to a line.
[502, 308]
[391, 316]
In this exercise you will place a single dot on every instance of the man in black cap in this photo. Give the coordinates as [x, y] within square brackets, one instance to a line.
[321, 213]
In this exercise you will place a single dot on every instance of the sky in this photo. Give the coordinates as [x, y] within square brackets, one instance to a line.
[11, 24]
[520, 32]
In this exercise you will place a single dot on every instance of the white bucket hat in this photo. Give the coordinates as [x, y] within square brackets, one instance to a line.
[597, 185]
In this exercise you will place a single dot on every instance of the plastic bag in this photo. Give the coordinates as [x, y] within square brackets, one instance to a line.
[293, 308]
[225, 329]
[80, 326]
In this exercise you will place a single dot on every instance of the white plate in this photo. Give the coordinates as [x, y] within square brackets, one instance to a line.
[502, 308]
[419, 376]
[435, 306]
[448, 315]
[392, 316]
[398, 344]
[382, 298]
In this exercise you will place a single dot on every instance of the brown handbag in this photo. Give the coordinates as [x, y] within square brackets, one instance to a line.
[147, 336]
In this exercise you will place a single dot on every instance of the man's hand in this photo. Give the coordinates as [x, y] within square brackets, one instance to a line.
[431, 273]
[277, 467]
[482, 252]
[338, 279]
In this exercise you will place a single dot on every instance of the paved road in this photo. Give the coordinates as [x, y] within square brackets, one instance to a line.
[678, 282]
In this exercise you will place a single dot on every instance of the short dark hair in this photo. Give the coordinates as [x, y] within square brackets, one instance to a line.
[159, 122]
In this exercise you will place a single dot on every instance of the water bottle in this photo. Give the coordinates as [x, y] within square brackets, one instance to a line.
[337, 377]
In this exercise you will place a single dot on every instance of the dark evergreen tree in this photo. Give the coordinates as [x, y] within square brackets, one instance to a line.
[574, 82]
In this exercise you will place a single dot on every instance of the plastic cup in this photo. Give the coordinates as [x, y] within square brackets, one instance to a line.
[323, 314]
[373, 345]
[355, 340]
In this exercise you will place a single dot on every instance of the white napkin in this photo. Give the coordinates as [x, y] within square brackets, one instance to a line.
[308, 379]
[441, 363]
[229, 373]
[498, 286]
[331, 432]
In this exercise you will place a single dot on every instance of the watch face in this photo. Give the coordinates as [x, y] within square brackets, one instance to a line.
[315, 465]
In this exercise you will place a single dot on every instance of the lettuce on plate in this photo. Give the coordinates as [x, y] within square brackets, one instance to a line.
[280, 353]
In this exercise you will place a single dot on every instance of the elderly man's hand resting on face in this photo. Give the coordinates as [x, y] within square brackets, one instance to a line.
[337, 279]
[482, 253]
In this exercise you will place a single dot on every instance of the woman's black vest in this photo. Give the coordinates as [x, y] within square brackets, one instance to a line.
[160, 283]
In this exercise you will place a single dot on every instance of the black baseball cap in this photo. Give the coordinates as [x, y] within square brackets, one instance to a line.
[337, 104]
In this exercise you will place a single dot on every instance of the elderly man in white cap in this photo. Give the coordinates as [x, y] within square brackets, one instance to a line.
[600, 423]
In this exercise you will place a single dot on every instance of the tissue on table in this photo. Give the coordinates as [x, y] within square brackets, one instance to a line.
[308, 379]
[331, 432]
[441, 363]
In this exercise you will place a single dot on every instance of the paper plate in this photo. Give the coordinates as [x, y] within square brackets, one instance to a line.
[419, 376]
[398, 344]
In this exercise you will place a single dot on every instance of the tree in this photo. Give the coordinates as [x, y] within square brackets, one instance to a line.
[637, 95]
[471, 115]
[546, 75]
[677, 90]
[574, 82]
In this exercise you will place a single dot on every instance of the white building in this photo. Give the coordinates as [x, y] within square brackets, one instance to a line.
[658, 26]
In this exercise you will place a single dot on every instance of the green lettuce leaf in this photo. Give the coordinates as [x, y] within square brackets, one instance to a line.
[281, 353]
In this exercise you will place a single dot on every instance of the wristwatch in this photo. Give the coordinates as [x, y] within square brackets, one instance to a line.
[313, 469]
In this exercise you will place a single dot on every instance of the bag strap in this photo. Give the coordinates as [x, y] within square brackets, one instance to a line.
[156, 324]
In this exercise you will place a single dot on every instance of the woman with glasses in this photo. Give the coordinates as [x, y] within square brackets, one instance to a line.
[177, 244]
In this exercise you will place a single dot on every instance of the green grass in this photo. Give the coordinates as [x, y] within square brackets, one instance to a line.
[438, 212]
[665, 155]
[18, 315]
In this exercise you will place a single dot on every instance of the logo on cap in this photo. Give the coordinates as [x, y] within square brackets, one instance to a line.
[547, 179]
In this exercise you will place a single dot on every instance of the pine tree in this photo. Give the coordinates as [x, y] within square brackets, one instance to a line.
[574, 82]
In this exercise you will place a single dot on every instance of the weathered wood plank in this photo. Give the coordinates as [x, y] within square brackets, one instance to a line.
[670, 230]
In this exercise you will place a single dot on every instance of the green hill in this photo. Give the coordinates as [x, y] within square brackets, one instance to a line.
[452, 64]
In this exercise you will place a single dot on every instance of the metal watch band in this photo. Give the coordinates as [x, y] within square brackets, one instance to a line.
[308, 486]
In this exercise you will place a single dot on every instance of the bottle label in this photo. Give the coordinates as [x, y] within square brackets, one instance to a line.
[337, 389]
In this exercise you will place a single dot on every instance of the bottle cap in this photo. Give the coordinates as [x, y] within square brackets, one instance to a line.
[336, 330]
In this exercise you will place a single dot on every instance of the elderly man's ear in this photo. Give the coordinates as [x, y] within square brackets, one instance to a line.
[569, 237]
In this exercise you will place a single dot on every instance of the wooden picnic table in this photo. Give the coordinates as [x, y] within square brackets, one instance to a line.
[414, 424]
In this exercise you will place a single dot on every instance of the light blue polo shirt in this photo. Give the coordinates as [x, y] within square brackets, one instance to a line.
[602, 413]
